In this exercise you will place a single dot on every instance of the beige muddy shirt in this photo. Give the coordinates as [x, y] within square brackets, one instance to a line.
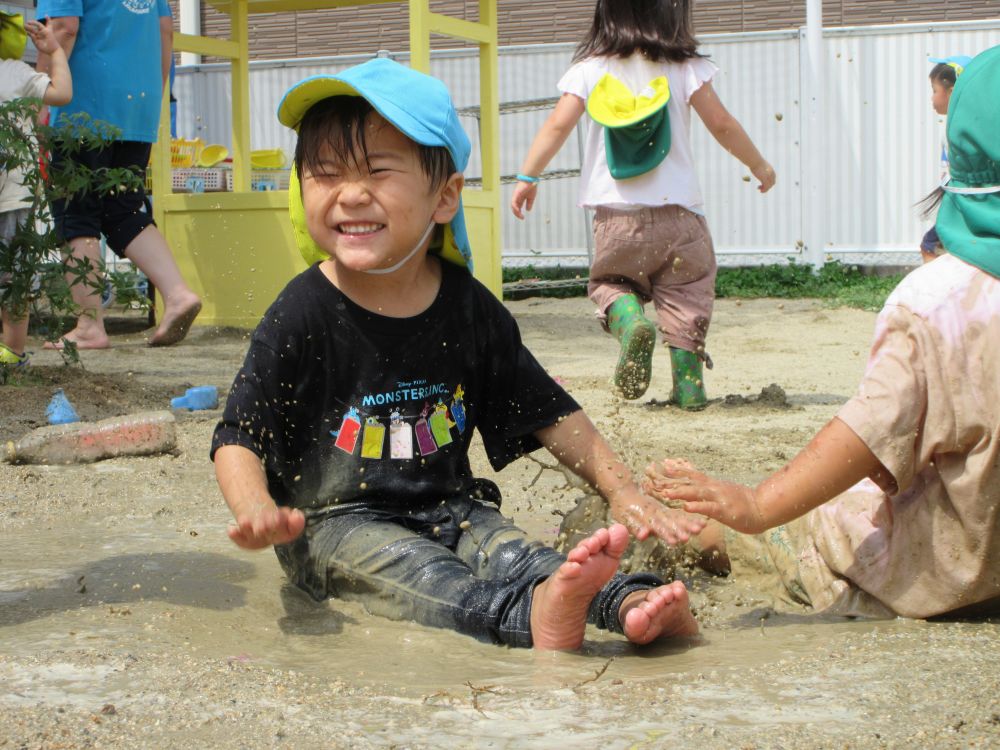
[929, 409]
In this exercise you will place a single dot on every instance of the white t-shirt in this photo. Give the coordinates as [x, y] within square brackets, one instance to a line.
[674, 180]
[18, 80]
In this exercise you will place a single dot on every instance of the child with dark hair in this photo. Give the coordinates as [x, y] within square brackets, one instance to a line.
[894, 506]
[943, 75]
[638, 74]
[344, 442]
[18, 80]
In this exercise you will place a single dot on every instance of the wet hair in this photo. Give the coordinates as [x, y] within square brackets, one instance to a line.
[944, 74]
[339, 121]
[662, 30]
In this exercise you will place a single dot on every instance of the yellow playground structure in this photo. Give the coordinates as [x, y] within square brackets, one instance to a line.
[235, 248]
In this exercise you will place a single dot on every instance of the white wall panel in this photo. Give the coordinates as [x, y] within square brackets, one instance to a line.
[880, 153]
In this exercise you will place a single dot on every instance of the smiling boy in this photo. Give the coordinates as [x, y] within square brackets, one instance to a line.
[345, 439]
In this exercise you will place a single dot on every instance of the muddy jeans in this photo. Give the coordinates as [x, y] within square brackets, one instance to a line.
[661, 253]
[424, 566]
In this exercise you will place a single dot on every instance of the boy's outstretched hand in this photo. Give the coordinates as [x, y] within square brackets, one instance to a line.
[269, 525]
[731, 504]
[642, 515]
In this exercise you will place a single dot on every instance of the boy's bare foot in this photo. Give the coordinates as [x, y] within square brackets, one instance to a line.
[662, 612]
[83, 338]
[177, 319]
[559, 605]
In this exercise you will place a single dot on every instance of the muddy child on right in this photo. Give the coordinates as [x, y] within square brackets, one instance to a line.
[893, 509]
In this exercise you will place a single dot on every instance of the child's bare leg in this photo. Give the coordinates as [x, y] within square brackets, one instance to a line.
[710, 546]
[560, 604]
[89, 332]
[662, 612]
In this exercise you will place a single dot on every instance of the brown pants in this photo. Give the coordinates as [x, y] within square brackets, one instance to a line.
[663, 254]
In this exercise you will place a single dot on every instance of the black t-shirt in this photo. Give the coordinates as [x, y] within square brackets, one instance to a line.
[345, 405]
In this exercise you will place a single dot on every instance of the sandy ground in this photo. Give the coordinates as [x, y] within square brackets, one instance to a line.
[127, 619]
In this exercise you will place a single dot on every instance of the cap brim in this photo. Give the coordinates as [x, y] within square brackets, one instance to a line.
[298, 99]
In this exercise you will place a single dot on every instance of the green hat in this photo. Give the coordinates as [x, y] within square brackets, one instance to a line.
[636, 126]
[13, 38]
[968, 221]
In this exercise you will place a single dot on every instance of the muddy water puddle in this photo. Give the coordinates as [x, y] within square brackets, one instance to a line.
[160, 589]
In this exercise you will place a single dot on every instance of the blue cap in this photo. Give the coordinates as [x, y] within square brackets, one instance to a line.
[418, 105]
[958, 62]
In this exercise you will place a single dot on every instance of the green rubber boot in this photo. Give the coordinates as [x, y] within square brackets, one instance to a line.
[689, 387]
[637, 336]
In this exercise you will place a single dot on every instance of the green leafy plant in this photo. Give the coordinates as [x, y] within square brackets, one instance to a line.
[37, 276]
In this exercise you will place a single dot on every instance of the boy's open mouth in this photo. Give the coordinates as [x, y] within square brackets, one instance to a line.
[359, 228]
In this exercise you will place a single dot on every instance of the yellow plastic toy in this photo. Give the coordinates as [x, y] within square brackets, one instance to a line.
[212, 155]
[267, 158]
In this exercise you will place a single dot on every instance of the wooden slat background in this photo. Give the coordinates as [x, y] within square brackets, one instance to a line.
[369, 28]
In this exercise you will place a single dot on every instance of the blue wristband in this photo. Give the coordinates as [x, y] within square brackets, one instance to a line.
[525, 178]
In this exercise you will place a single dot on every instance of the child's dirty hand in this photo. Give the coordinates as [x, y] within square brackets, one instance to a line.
[42, 37]
[673, 480]
[269, 525]
[643, 516]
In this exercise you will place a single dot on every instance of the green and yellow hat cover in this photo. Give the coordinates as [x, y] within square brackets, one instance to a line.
[636, 126]
[13, 37]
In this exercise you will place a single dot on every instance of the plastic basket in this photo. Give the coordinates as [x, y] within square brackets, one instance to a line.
[198, 180]
[263, 179]
[184, 152]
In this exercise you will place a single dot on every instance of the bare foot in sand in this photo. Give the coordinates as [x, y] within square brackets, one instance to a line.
[178, 315]
[91, 336]
[662, 612]
[560, 604]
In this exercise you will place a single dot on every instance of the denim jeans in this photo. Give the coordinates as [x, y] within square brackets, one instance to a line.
[430, 566]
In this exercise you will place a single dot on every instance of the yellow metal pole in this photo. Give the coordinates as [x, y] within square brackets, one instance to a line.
[240, 67]
[489, 112]
[420, 35]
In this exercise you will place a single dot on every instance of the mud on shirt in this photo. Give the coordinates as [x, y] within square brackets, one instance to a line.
[345, 405]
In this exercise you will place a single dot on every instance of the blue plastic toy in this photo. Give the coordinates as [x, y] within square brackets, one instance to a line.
[60, 410]
[199, 397]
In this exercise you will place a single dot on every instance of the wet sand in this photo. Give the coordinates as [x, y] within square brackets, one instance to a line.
[127, 618]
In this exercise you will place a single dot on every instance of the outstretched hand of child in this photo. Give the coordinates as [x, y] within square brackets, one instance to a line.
[524, 198]
[267, 526]
[42, 37]
[673, 480]
[643, 515]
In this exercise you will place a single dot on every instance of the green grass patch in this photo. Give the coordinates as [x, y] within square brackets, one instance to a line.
[838, 283]
[835, 282]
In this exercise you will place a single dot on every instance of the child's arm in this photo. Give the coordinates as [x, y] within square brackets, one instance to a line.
[60, 88]
[578, 446]
[835, 460]
[727, 130]
[549, 139]
[260, 522]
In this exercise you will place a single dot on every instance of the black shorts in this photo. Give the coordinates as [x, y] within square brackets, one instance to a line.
[120, 217]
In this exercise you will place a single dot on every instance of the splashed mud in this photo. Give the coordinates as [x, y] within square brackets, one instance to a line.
[127, 619]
